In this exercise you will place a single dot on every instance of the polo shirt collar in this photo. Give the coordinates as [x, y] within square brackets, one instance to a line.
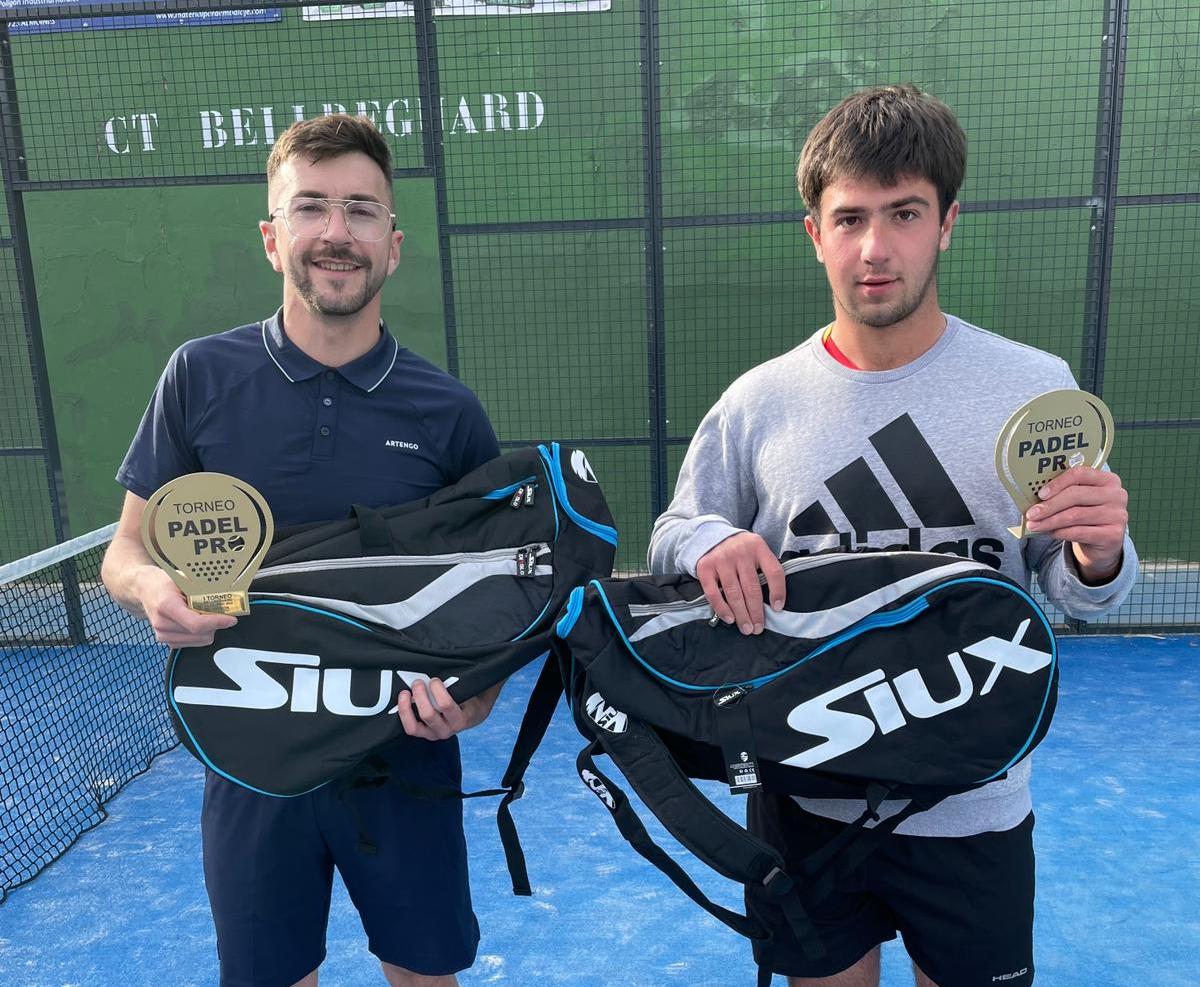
[367, 372]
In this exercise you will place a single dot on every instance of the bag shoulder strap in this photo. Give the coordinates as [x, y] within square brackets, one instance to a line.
[542, 702]
[697, 824]
[374, 771]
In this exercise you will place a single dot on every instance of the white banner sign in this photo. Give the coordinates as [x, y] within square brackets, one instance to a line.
[357, 11]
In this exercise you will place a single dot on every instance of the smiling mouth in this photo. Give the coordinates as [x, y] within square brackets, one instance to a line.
[336, 266]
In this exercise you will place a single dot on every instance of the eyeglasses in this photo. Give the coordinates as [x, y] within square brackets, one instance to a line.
[366, 220]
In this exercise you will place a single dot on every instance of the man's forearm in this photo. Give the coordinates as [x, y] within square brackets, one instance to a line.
[124, 563]
[483, 704]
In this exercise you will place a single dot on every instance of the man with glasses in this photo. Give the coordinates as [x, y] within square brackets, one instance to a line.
[319, 407]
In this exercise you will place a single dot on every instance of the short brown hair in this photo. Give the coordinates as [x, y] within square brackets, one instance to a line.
[884, 132]
[328, 137]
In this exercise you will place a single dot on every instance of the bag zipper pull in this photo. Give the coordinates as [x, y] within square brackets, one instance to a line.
[526, 561]
[528, 495]
[517, 499]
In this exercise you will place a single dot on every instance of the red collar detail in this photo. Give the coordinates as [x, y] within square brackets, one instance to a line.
[832, 349]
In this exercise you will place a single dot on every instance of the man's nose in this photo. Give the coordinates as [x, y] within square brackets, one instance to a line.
[337, 230]
[875, 245]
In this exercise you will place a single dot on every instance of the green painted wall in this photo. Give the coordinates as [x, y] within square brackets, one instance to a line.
[543, 122]
[143, 270]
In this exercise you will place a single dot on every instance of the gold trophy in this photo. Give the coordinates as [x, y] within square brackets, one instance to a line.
[209, 532]
[1047, 436]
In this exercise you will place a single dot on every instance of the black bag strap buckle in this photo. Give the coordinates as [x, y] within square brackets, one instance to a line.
[778, 882]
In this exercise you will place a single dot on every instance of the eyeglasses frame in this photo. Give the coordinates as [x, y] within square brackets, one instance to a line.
[339, 203]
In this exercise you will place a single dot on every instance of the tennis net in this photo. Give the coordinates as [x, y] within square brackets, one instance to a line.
[82, 708]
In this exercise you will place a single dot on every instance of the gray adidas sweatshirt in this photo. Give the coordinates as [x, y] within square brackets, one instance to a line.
[811, 455]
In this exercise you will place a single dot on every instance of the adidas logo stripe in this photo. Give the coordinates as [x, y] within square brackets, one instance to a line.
[864, 502]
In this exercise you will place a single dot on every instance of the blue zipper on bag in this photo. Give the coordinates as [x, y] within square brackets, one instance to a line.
[901, 616]
[893, 618]
[559, 486]
[566, 622]
[504, 493]
[512, 488]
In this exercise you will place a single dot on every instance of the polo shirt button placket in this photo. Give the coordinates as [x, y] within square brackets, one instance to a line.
[326, 416]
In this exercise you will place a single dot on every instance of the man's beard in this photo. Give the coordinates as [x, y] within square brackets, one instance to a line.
[878, 317]
[342, 303]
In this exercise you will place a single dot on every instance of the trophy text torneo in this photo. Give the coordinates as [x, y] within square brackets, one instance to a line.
[209, 533]
[1047, 436]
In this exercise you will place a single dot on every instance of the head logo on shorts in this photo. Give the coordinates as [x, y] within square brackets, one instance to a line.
[581, 466]
[606, 717]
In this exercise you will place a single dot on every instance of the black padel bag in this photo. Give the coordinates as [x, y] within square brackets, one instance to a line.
[462, 585]
[901, 675]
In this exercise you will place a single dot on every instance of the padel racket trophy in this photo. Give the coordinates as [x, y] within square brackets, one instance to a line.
[209, 533]
[1047, 436]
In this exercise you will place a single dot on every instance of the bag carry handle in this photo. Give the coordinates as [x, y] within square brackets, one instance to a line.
[374, 532]
[688, 815]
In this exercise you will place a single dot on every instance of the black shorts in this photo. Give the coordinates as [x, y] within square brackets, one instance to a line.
[964, 905]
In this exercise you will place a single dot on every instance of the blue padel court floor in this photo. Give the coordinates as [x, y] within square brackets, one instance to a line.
[1116, 791]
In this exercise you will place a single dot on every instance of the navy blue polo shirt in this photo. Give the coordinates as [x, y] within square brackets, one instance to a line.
[385, 429]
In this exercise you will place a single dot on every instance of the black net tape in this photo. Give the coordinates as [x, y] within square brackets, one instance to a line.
[82, 709]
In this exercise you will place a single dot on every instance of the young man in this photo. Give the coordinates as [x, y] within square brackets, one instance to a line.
[879, 431]
[306, 407]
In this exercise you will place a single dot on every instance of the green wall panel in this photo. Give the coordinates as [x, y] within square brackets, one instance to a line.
[1152, 362]
[552, 332]
[675, 454]
[735, 296]
[142, 271]
[567, 141]
[198, 101]
[744, 83]
[28, 525]
[1160, 121]
[624, 474]
[1158, 468]
[19, 426]
[1022, 275]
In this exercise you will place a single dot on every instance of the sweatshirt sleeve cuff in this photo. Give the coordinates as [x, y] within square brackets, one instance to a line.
[707, 536]
[1107, 594]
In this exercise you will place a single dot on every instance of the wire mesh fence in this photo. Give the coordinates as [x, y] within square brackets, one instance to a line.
[602, 229]
[602, 232]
